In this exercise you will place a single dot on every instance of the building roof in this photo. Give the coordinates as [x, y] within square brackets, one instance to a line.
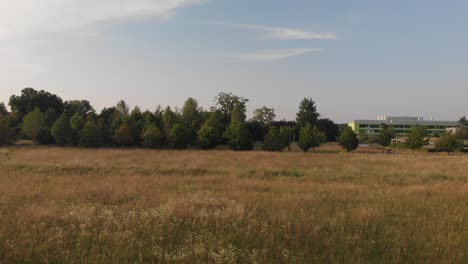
[408, 122]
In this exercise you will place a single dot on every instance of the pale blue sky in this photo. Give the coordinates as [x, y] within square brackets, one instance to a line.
[357, 59]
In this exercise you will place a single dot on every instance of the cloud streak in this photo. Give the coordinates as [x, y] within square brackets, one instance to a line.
[272, 55]
[280, 33]
[25, 17]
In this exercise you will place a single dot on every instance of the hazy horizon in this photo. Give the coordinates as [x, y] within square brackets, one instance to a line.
[356, 60]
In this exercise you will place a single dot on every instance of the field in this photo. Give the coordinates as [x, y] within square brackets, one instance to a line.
[141, 206]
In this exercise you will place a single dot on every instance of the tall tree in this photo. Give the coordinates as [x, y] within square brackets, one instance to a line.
[310, 138]
[33, 122]
[81, 107]
[191, 116]
[264, 115]
[348, 139]
[307, 114]
[287, 134]
[179, 137]
[31, 99]
[385, 136]
[227, 101]
[170, 118]
[417, 139]
[123, 108]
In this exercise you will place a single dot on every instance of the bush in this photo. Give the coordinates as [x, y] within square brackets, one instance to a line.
[448, 143]
[152, 137]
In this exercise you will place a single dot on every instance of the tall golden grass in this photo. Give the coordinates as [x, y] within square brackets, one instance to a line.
[142, 206]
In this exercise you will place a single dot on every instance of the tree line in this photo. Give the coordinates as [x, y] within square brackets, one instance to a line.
[46, 119]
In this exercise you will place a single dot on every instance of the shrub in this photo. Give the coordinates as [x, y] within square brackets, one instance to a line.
[448, 143]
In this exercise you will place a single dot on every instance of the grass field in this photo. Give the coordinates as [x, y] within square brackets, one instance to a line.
[137, 206]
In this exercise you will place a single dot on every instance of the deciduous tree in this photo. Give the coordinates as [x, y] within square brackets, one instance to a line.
[348, 139]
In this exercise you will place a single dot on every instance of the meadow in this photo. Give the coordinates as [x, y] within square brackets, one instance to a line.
[149, 206]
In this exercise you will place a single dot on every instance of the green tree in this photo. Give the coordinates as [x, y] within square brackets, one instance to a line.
[152, 136]
[238, 136]
[33, 122]
[208, 136]
[123, 135]
[191, 117]
[170, 118]
[264, 115]
[180, 137]
[90, 135]
[348, 139]
[227, 101]
[77, 122]
[62, 131]
[417, 139]
[44, 136]
[287, 134]
[449, 143]
[330, 128]
[273, 140]
[307, 114]
[81, 107]
[6, 133]
[385, 137]
[310, 138]
[123, 108]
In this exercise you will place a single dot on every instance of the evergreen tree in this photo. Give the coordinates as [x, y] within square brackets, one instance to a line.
[170, 118]
[33, 122]
[348, 139]
[61, 130]
[417, 139]
[273, 140]
[307, 114]
[152, 137]
[310, 138]
[449, 143]
[330, 128]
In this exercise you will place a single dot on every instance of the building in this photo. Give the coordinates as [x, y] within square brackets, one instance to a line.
[402, 125]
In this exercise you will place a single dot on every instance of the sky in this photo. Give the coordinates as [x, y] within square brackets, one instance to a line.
[357, 59]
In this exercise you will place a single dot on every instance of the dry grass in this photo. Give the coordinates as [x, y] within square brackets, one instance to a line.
[138, 206]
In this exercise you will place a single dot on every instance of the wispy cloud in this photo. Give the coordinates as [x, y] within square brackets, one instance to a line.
[281, 33]
[272, 55]
[23, 17]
